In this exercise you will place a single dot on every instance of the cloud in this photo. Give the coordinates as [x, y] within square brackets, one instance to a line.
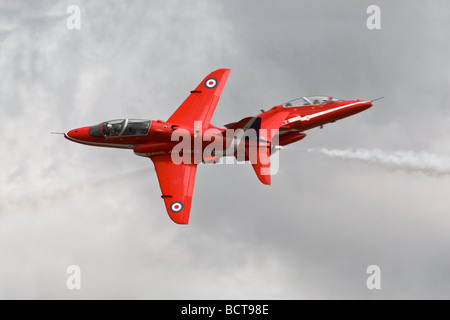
[311, 234]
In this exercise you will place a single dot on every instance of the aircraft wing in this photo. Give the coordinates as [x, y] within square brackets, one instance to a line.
[202, 102]
[177, 185]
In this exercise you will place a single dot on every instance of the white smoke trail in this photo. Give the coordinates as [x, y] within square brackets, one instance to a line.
[33, 193]
[426, 162]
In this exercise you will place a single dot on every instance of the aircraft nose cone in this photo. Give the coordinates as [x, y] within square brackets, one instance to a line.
[72, 133]
[365, 105]
[78, 134]
[75, 134]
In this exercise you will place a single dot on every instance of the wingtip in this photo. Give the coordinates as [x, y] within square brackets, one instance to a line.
[178, 210]
[181, 220]
[225, 71]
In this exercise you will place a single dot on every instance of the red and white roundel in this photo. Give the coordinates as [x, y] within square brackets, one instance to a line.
[211, 83]
[176, 206]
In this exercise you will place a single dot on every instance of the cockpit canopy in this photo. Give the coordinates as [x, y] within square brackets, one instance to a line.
[311, 100]
[120, 128]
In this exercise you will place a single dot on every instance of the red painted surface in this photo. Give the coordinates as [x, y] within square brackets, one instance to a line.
[155, 139]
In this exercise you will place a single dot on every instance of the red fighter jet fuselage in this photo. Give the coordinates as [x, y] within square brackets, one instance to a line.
[158, 139]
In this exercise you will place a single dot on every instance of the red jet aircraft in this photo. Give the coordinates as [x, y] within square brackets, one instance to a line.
[155, 139]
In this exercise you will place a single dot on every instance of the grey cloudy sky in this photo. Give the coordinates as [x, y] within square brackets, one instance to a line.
[312, 234]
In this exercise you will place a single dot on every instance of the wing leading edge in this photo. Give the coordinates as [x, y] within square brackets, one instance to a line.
[177, 180]
[202, 102]
[177, 186]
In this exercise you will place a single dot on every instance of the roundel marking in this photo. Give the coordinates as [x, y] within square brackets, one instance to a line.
[211, 83]
[176, 206]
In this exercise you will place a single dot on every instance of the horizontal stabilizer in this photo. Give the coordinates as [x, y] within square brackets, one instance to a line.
[271, 121]
[258, 151]
[262, 165]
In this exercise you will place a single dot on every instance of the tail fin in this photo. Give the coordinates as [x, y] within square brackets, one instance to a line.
[265, 127]
[271, 121]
